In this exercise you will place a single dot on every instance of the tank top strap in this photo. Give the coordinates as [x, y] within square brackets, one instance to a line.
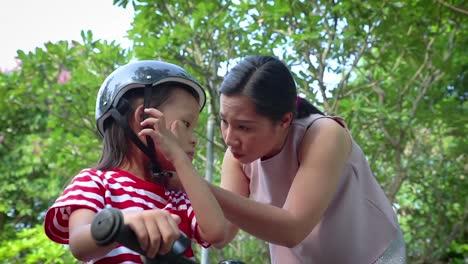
[308, 121]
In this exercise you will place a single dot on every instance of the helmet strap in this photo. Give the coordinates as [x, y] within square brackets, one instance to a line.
[158, 175]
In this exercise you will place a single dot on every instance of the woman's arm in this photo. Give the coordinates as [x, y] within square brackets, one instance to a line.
[233, 179]
[323, 155]
[210, 217]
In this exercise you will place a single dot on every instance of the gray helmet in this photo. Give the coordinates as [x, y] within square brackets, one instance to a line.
[140, 74]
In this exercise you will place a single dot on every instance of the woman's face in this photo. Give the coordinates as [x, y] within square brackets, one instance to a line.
[248, 135]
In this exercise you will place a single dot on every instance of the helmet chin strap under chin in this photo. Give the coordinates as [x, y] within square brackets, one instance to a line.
[158, 175]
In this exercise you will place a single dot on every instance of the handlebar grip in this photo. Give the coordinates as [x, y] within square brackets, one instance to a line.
[108, 227]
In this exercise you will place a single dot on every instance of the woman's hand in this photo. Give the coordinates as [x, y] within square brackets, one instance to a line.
[157, 230]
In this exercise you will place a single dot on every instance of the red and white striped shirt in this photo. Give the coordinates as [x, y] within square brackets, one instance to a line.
[95, 190]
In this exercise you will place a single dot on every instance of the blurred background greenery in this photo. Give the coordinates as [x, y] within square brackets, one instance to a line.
[395, 70]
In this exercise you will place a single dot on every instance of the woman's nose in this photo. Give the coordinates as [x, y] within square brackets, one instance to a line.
[230, 138]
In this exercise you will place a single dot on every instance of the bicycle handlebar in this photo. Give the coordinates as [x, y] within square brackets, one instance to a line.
[108, 227]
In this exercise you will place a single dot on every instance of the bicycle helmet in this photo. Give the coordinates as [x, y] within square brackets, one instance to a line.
[137, 75]
[147, 75]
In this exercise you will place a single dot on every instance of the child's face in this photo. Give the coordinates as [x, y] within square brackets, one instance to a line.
[182, 106]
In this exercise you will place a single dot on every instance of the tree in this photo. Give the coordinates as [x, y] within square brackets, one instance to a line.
[204, 37]
[47, 131]
[395, 70]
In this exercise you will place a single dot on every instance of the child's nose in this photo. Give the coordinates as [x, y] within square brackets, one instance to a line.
[193, 140]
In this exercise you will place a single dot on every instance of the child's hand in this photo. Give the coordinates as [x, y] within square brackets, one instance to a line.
[157, 230]
[166, 143]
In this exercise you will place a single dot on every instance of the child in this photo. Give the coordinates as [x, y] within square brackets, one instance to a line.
[146, 112]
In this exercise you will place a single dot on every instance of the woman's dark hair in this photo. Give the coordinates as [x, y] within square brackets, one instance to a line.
[270, 85]
[305, 109]
[116, 144]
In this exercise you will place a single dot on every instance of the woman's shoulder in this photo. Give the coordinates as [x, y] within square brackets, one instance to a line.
[326, 134]
[307, 121]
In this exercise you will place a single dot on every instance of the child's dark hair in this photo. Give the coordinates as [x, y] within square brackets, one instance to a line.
[116, 144]
[269, 84]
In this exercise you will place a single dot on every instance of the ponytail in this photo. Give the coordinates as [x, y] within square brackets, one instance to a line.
[305, 108]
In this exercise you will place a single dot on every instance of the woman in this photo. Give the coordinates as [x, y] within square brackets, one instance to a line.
[313, 195]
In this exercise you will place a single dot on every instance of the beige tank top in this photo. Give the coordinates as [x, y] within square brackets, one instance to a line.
[359, 223]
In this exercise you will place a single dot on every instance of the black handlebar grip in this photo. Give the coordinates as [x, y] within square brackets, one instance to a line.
[108, 227]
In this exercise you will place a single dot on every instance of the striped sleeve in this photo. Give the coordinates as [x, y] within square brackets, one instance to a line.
[180, 204]
[86, 191]
[194, 225]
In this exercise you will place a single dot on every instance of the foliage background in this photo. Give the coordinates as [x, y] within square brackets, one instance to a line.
[395, 70]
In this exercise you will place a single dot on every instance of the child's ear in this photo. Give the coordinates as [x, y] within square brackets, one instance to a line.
[139, 114]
